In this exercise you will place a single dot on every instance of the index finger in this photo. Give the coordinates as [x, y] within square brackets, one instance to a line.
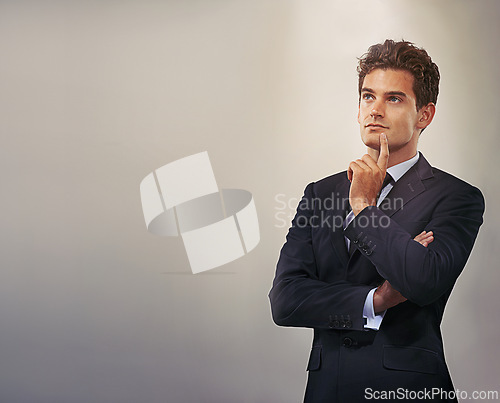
[383, 158]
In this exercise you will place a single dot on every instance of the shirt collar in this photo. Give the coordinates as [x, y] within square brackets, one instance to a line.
[397, 171]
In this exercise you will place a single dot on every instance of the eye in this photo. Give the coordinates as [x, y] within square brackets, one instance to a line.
[395, 99]
[367, 96]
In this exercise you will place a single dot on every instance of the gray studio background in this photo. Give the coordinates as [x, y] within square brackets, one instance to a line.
[94, 95]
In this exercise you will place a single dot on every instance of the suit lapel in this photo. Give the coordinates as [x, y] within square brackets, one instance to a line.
[407, 187]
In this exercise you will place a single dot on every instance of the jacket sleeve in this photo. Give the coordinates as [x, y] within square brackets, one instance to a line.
[298, 298]
[421, 274]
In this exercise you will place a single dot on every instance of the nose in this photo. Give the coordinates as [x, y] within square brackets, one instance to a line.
[377, 110]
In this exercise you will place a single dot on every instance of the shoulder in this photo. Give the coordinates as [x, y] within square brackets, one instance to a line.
[449, 182]
[448, 187]
[336, 183]
[437, 179]
[335, 179]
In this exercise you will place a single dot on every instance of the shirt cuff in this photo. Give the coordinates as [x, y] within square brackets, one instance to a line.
[372, 321]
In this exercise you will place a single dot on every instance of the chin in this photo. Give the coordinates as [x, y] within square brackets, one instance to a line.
[371, 140]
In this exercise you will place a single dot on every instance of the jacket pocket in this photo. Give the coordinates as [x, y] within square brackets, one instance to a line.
[314, 358]
[411, 359]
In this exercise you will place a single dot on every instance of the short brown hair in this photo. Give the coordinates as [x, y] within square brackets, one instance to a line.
[403, 56]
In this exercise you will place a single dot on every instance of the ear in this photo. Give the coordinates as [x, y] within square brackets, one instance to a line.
[426, 114]
[359, 111]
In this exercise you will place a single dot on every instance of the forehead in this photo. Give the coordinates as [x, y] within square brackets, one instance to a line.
[388, 80]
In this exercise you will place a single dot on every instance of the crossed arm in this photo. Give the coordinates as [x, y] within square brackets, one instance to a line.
[386, 296]
[421, 270]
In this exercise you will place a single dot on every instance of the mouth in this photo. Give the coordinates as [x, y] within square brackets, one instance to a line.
[375, 126]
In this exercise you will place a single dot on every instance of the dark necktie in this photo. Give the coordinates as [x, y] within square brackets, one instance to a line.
[388, 179]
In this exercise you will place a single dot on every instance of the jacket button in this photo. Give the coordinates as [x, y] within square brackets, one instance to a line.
[347, 342]
[333, 324]
[348, 324]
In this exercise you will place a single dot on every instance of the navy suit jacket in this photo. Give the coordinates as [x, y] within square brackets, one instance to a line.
[320, 286]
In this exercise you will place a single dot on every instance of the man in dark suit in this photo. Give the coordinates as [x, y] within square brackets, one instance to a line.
[373, 253]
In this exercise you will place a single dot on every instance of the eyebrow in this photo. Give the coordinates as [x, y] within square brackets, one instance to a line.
[400, 93]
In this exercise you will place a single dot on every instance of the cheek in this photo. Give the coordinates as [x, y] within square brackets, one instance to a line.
[362, 114]
[412, 125]
[407, 123]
